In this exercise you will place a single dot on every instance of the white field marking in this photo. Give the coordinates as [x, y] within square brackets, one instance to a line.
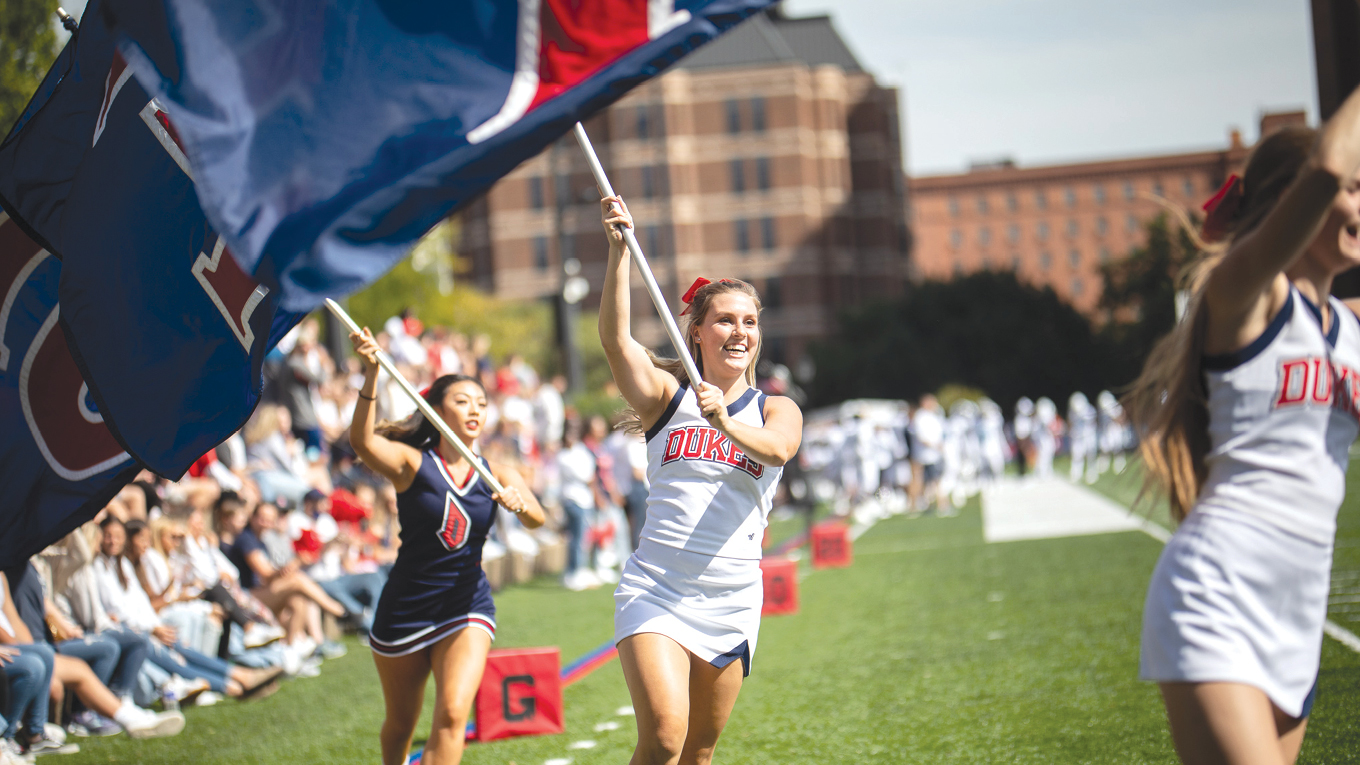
[558, 761]
[1045, 509]
[624, 712]
[995, 635]
[581, 745]
[601, 727]
[996, 597]
[1342, 635]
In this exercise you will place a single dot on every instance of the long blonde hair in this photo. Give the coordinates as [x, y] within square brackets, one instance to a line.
[1167, 405]
[701, 301]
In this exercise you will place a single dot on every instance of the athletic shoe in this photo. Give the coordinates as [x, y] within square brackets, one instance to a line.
[259, 635]
[45, 745]
[143, 723]
[54, 732]
[11, 754]
[331, 650]
[310, 668]
[87, 722]
[207, 699]
[607, 575]
[178, 690]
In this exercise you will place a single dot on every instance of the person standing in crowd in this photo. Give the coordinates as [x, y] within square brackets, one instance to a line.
[1247, 413]
[576, 470]
[687, 607]
[927, 430]
[436, 589]
[1046, 436]
[1082, 438]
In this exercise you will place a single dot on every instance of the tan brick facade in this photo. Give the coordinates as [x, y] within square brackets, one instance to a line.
[781, 172]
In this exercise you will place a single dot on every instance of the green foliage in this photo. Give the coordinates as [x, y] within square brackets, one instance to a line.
[1140, 295]
[986, 331]
[28, 45]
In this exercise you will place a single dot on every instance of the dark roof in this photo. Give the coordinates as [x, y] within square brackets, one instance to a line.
[763, 39]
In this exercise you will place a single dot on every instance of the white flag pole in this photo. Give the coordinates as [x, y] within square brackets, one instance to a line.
[423, 405]
[667, 320]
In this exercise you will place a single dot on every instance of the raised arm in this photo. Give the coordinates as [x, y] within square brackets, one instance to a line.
[773, 444]
[645, 388]
[396, 462]
[1248, 287]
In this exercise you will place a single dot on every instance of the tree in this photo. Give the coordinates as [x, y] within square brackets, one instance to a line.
[28, 45]
[986, 331]
[1140, 295]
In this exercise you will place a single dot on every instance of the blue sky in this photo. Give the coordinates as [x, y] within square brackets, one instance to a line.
[1047, 81]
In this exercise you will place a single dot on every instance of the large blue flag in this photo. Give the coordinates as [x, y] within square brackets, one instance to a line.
[328, 135]
[124, 326]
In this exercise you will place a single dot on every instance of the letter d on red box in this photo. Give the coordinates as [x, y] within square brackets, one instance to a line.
[780, 578]
[520, 694]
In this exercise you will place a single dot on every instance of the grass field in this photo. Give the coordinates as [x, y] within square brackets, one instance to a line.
[933, 647]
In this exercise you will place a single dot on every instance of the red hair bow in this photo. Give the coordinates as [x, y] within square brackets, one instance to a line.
[688, 297]
[1221, 209]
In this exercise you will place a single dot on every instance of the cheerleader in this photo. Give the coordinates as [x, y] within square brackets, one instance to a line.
[1246, 412]
[687, 608]
[435, 612]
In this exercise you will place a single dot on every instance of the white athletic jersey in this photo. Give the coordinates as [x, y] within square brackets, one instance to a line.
[706, 495]
[1282, 417]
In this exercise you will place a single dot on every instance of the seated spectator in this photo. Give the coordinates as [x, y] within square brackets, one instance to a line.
[335, 562]
[67, 671]
[123, 598]
[208, 573]
[275, 457]
[290, 594]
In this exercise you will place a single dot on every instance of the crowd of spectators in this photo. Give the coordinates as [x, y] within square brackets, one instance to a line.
[242, 573]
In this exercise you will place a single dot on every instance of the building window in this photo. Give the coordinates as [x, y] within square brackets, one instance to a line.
[1128, 191]
[1045, 261]
[982, 204]
[1042, 231]
[1072, 228]
[541, 253]
[741, 233]
[536, 193]
[643, 131]
[1070, 196]
[763, 173]
[1157, 188]
[1012, 203]
[653, 238]
[758, 114]
[1102, 226]
[767, 233]
[1013, 233]
[1040, 199]
[986, 263]
[773, 294]
[1104, 254]
[984, 236]
[1015, 263]
[955, 239]
[648, 182]
[1074, 257]
[1188, 186]
[1131, 223]
[958, 268]
[733, 117]
[1099, 192]
[1077, 286]
[738, 172]
[954, 206]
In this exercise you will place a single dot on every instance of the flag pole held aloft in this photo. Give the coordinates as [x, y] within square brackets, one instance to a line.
[422, 405]
[629, 239]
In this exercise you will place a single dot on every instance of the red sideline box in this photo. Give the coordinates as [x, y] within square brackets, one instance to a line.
[831, 546]
[780, 577]
[520, 694]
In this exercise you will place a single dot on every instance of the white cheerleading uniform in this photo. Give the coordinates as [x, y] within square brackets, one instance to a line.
[695, 576]
[1240, 592]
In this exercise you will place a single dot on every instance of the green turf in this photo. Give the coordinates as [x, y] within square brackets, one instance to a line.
[933, 647]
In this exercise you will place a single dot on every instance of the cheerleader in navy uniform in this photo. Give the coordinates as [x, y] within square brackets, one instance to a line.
[1246, 414]
[435, 613]
[687, 608]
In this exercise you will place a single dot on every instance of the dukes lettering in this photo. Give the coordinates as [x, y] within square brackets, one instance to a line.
[703, 444]
[1318, 382]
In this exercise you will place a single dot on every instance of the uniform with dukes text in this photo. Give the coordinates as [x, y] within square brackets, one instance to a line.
[1240, 592]
[437, 586]
[695, 576]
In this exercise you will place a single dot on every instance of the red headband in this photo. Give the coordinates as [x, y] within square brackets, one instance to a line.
[1221, 209]
[688, 297]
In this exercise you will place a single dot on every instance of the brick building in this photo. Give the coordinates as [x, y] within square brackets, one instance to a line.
[768, 155]
[1056, 225]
